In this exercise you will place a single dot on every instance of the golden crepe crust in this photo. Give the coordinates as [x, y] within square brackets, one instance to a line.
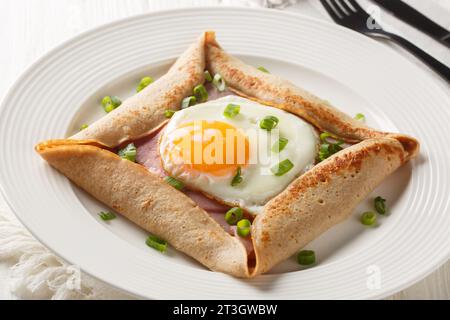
[145, 199]
[272, 90]
[143, 113]
[314, 202]
[321, 198]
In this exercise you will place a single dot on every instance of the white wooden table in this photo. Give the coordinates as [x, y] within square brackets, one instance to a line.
[29, 28]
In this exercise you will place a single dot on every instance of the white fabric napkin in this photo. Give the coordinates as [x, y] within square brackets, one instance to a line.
[36, 273]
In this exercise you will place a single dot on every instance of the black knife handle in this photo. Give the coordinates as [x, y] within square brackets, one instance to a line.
[446, 40]
[434, 64]
[416, 19]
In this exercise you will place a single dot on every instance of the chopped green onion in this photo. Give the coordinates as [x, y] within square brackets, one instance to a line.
[156, 243]
[128, 153]
[324, 136]
[200, 93]
[174, 182]
[231, 110]
[219, 82]
[360, 117]
[268, 123]
[368, 218]
[237, 179]
[188, 101]
[323, 151]
[328, 149]
[144, 83]
[279, 145]
[335, 147]
[106, 100]
[263, 69]
[244, 227]
[108, 108]
[208, 76]
[233, 215]
[83, 126]
[380, 205]
[327, 137]
[169, 113]
[106, 215]
[282, 168]
[306, 257]
[116, 102]
[110, 103]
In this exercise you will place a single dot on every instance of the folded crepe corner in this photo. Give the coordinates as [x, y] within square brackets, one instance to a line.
[139, 115]
[319, 199]
[148, 201]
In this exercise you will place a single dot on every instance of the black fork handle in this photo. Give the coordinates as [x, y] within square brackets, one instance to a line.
[434, 64]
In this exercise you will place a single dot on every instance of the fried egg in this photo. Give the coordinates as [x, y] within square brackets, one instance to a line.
[231, 158]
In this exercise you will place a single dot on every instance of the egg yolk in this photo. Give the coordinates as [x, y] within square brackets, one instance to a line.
[213, 147]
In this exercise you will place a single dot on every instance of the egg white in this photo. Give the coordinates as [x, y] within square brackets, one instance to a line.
[259, 184]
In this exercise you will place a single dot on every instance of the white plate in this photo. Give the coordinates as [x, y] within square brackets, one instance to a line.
[62, 90]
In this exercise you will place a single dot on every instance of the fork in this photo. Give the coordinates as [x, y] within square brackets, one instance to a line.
[350, 14]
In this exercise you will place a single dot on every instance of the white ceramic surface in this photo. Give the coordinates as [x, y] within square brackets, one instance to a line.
[63, 89]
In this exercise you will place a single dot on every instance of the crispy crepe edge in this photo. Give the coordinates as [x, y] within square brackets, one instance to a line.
[148, 201]
[141, 114]
[321, 198]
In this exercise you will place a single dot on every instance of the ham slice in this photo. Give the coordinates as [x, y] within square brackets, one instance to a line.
[206, 203]
[247, 241]
[219, 217]
[148, 156]
[214, 94]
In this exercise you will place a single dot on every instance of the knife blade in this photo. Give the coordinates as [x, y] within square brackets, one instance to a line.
[416, 19]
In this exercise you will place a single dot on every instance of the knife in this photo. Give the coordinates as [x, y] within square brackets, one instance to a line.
[413, 17]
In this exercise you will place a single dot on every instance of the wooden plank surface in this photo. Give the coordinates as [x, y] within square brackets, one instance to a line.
[29, 28]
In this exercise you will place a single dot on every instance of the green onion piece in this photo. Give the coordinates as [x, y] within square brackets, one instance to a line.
[237, 179]
[200, 93]
[188, 101]
[108, 108]
[244, 227]
[208, 76]
[116, 102]
[83, 126]
[174, 182]
[233, 215]
[106, 100]
[231, 110]
[380, 205]
[328, 149]
[128, 153]
[306, 257]
[279, 145]
[269, 123]
[324, 136]
[106, 215]
[219, 82]
[360, 117]
[263, 69]
[169, 113]
[110, 103]
[323, 151]
[333, 148]
[144, 83]
[368, 218]
[327, 137]
[156, 243]
[282, 168]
